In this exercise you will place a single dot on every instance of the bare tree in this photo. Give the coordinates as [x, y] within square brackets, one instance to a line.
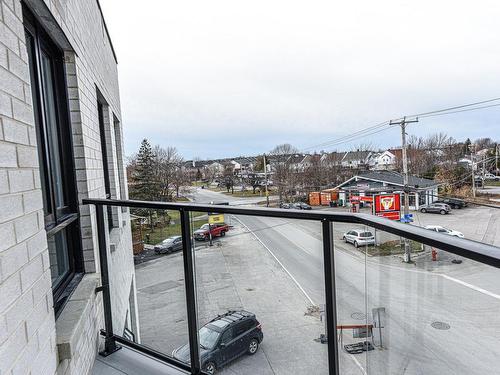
[280, 158]
[314, 176]
[167, 162]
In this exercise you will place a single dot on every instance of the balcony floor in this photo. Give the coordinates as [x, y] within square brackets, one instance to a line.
[129, 362]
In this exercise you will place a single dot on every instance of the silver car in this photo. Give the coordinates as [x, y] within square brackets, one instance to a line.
[169, 245]
[359, 237]
[438, 208]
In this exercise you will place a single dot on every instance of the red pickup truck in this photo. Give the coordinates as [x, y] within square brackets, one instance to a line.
[205, 230]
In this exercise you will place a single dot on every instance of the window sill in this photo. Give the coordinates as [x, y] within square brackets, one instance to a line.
[72, 321]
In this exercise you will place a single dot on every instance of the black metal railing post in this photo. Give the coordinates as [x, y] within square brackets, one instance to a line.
[190, 283]
[110, 345]
[331, 303]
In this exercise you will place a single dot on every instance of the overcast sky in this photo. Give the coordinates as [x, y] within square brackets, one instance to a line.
[228, 78]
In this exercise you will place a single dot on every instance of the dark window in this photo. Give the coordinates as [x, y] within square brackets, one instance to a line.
[242, 327]
[227, 336]
[48, 88]
[105, 161]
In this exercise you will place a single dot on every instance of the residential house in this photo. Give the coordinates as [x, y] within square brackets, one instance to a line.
[356, 159]
[385, 160]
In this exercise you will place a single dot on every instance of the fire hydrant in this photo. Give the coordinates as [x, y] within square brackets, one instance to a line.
[434, 255]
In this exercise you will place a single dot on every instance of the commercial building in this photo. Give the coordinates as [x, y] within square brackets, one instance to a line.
[421, 190]
[61, 141]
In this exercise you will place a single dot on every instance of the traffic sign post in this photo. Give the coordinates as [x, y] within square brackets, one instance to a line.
[378, 316]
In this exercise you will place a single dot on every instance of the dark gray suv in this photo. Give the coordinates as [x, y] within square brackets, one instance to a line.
[224, 339]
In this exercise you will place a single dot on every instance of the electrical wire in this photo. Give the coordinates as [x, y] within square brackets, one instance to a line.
[462, 110]
[384, 125]
[343, 138]
[455, 107]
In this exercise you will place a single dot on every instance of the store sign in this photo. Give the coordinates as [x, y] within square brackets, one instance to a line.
[216, 219]
[387, 205]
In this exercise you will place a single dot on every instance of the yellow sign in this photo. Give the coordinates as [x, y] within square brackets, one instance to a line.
[216, 219]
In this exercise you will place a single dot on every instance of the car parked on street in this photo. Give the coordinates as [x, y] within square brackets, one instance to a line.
[216, 230]
[440, 229]
[453, 202]
[359, 237]
[224, 339]
[437, 208]
[491, 177]
[285, 205]
[301, 206]
[169, 245]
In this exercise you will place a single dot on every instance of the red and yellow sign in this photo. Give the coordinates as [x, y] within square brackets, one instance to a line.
[387, 205]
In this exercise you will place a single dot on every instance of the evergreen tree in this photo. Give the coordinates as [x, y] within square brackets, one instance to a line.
[144, 185]
[467, 143]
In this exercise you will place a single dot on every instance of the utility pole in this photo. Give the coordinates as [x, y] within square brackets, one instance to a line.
[403, 123]
[496, 158]
[265, 176]
[472, 148]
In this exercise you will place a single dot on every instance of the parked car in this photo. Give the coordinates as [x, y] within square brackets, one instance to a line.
[440, 229]
[438, 208]
[453, 202]
[224, 339]
[491, 177]
[169, 245]
[301, 206]
[359, 237]
[205, 230]
[285, 205]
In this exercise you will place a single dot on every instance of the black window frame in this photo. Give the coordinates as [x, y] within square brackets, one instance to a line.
[66, 217]
[105, 157]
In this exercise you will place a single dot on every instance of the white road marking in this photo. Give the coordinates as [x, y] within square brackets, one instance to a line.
[277, 260]
[358, 364]
[476, 288]
[296, 283]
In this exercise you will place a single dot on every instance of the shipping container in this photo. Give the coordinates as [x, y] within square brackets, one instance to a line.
[314, 198]
[325, 199]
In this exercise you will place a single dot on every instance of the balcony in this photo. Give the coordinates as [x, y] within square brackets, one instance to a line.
[324, 306]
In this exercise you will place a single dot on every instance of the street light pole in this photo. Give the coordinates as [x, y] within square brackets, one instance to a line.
[472, 148]
[402, 123]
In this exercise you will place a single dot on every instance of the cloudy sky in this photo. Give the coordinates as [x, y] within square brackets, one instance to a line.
[224, 78]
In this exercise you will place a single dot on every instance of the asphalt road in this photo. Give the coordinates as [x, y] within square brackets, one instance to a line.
[414, 298]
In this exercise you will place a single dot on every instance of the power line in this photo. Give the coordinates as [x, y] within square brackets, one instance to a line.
[383, 125]
[355, 134]
[462, 110]
[453, 108]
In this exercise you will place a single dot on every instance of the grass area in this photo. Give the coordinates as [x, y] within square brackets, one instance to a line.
[198, 183]
[248, 193]
[393, 248]
[166, 228]
[492, 183]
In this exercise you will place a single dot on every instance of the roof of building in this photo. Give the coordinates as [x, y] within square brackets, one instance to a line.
[393, 178]
[356, 155]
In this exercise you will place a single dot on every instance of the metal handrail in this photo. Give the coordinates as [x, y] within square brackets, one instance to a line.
[466, 248]
[476, 251]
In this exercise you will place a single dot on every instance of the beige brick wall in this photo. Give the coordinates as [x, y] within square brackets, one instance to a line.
[27, 323]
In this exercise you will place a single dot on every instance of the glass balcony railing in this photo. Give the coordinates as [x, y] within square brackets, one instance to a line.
[269, 291]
